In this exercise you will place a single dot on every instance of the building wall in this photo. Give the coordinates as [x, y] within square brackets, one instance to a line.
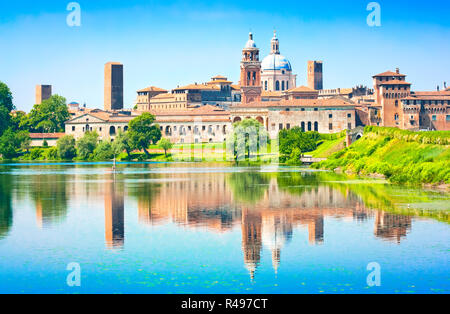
[40, 142]
[324, 120]
[286, 80]
[105, 130]
[195, 132]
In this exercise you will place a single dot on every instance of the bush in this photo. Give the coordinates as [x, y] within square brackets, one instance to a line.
[103, 151]
[36, 153]
[86, 145]
[66, 147]
[51, 154]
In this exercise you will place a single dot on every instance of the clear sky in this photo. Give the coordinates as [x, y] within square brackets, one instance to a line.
[169, 43]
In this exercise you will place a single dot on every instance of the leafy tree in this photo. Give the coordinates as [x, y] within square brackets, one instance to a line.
[142, 132]
[11, 142]
[165, 144]
[121, 143]
[51, 153]
[103, 151]
[19, 121]
[49, 116]
[86, 145]
[66, 147]
[6, 106]
[246, 138]
[296, 140]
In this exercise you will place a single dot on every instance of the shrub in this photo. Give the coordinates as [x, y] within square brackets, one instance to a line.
[66, 147]
[103, 151]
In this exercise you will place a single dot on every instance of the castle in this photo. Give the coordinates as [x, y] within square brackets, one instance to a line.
[267, 92]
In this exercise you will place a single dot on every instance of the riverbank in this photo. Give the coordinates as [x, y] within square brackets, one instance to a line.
[415, 158]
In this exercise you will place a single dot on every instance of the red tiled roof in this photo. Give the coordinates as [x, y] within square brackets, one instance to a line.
[46, 135]
[389, 73]
[152, 89]
[395, 82]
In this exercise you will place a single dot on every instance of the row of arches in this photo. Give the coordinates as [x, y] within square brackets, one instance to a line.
[279, 85]
[183, 130]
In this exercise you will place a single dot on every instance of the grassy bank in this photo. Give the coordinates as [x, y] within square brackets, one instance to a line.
[400, 156]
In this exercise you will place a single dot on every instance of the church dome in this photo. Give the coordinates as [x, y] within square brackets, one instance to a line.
[276, 62]
[250, 43]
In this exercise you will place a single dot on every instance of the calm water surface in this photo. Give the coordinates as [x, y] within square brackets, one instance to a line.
[193, 228]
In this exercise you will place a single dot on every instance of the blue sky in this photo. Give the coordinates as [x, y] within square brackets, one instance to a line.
[170, 43]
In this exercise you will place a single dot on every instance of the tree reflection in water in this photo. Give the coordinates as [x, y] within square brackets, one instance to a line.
[6, 209]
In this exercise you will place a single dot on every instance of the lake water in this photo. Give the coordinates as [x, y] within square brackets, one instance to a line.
[196, 228]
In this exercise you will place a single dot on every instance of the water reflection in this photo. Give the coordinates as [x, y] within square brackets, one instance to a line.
[114, 213]
[6, 209]
[266, 207]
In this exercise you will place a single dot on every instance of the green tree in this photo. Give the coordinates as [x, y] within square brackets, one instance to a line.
[6, 106]
[142, 132]
[165, 144]
[66, 147]
[121, 143]
[103, 151]
[49, 116]
[295, 141]
[11, 142]
[248, 136]
[86, 145]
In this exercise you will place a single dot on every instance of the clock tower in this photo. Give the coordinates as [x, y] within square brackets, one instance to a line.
[250, 73]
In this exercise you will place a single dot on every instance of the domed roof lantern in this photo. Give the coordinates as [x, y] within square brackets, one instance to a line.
[250, 42]
[275, 44]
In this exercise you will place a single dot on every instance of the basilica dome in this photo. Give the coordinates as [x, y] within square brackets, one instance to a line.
[276, 62]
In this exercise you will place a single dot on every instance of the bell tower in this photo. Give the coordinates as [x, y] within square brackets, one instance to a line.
[250, 73]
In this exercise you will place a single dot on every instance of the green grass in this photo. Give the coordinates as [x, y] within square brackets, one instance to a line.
[326, 148]
[401, 156]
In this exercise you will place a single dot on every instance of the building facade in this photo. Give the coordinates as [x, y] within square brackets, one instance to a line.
[145, 95]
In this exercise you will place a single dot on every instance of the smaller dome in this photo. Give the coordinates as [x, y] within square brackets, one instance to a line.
[250, 43]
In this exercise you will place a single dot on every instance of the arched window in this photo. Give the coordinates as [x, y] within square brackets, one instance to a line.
[316, 126]
[277, 85]
[287, 85]
[265, 85]
[309, 126]
[303, 126]
[112, 131]
[282, 85]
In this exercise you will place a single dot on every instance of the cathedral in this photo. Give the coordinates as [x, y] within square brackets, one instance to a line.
[276, 70]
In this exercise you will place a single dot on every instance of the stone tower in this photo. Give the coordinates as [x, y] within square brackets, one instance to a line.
[315, 75]
[43, 92]
[250, 73]
[113, 86]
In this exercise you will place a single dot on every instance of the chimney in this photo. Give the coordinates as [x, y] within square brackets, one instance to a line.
[397, 70]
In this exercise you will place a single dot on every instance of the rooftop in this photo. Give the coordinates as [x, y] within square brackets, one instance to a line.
[389, 73]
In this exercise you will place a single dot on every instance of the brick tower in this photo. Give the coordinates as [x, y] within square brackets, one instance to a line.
[315, 75]
[250, 73]
[113, 86]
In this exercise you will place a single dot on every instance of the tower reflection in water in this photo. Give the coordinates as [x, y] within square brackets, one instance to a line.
[267, 220]
[114, 214]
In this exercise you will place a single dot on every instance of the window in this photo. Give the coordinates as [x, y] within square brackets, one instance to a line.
[396, 117]
[280, 126]
[288, 126]
[303, 126]
[330, 116]
[330, 126]
[273, 126]
[287, 85]
[396, 103]
[434, 118]
[73, 129]
[447, 118]
[316, 126]
[349, 126]
[316, 109]
[282, 85]
[265, 85]
[277, 85]
[309, 126]
[349, 115]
